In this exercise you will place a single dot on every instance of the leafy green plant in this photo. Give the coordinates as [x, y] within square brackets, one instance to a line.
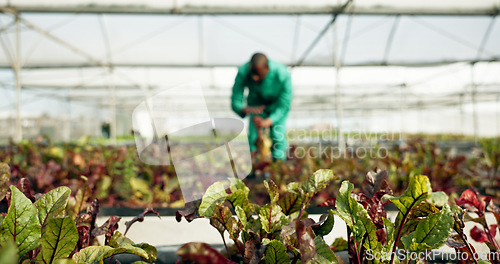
[423, 223]
[41, 231]
[114, 174]
[278, 232]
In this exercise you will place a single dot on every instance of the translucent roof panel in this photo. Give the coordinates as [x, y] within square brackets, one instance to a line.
[62, 40]
[76, 55]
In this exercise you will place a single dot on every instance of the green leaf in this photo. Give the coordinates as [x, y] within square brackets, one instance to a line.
[271, 217]
[21, 223]
[118, 239]
[215, 194]
[438, 199]
[339, 244]
[92, 254]
[423, 210]
[290, 203]
[241, 215]
[240, 198]
[318, 181]
[52, 204]
[323, 252]
[389, 226]
[59, 239]
[275, 253]
[103, 187]
[237, 184]
[64, 261]
[4, 179]
[8, 253]
[143, 250]
[81, 197]
[294, 187]
[325, 224]
[222, 219]
[419, 189]
[96, 254]
[273, 190]
[418, 213]
[357, 219]
[141, 190]
[431, 232]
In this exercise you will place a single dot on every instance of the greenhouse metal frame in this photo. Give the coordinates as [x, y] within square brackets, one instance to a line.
[116, 91]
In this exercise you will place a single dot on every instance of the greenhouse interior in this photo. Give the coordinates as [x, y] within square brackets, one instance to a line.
[191, 131]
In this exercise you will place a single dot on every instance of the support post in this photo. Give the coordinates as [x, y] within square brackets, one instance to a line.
[17, 74]
[112, 110]
[402, 109]
[473, 91]
[201, 41]
[462, 116]
[67, 119]
[498, 115]
[338, 92]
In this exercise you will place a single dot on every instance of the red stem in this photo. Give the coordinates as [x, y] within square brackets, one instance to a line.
[241, 250]
[491, 238]
[401, 230]
[225, 245]
[468, 246]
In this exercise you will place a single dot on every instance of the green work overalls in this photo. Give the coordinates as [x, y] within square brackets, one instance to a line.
[275, 93]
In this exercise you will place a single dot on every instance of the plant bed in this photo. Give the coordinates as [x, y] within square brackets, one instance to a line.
[116, 176]
[281, 231]
[52, 228]
[274, 229]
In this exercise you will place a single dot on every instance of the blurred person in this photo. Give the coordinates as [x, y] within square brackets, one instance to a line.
[268, 102]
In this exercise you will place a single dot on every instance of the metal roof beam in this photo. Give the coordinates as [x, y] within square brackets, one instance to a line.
[35, 66]
[481, 8]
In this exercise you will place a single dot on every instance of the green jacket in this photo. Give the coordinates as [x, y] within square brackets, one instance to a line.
[275, 91]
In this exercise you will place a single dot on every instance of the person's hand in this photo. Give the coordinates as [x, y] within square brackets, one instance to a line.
[267, 122]
[262, 122]
[255, 110]
[256, 120]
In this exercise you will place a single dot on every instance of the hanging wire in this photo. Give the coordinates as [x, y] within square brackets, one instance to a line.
[484, 41]
[347, 36]
[369, 27]
[449, 35]
[296, 35]
[6, 49]
[390, 39]
[322, 33]
[41, 37]
[107, 43]
[149, 36]
[486, 36]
